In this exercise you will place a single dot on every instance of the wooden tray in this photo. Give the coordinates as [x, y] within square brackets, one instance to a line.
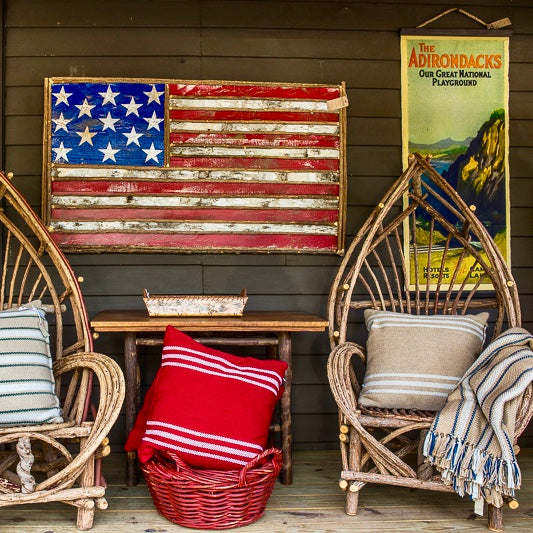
[194, 305]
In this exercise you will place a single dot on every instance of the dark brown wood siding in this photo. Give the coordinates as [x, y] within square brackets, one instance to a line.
[293, 41]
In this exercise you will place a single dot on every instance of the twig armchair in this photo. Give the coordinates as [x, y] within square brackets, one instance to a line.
[377, 444]
[56, 460]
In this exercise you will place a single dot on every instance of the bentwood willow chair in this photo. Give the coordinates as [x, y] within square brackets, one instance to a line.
[382, 445]
[53, 433]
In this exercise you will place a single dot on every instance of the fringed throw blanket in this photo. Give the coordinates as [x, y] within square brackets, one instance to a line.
[471, 439]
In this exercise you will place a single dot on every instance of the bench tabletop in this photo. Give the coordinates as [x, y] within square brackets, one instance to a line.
[134, 320]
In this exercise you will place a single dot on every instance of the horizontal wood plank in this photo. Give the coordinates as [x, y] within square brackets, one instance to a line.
[312, 504]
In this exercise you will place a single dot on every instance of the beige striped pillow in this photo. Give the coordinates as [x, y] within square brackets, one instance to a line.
[27, 385]
[415, 361]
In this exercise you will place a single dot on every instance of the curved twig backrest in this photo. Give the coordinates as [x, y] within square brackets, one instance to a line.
[450, 257]
[33, 268]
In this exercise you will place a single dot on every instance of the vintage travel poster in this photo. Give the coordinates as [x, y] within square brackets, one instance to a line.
[455, 108]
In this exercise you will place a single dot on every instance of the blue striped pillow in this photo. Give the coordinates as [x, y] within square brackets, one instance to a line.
[415, 361]
[27, 386]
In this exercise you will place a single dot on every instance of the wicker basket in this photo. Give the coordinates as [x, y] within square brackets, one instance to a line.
[211, 499]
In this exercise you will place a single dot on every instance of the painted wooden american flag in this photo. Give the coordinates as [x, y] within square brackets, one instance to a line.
[161, 165]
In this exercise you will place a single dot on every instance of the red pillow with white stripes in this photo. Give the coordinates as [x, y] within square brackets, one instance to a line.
[211, 408]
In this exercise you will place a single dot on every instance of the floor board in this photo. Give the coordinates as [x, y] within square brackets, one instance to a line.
[312, 504]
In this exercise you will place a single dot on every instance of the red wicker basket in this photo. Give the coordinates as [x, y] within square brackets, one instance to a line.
[211, 499]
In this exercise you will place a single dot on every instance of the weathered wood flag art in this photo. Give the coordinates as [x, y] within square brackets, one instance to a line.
[166, 165]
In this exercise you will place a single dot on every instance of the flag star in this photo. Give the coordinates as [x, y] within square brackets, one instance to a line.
[85, 108]
[61, 122]
[86, 136]
[62, 96]
[108, 122]
[153, 95]
[133, 136]
[151, 153]
[153, 121]
[109, 96]
[132, 107]
[109, 152]
[61, 152]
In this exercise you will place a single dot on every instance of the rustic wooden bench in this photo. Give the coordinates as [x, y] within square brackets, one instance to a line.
[271, 329]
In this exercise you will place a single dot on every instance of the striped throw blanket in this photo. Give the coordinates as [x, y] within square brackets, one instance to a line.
[471, 439]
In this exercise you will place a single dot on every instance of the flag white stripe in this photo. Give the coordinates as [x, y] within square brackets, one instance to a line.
[261, 202]
[143, 226]
[252, 151]
[254, 127]
[170, 174]
[252, 104]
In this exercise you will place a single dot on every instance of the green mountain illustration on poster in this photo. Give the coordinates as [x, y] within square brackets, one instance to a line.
[475, 167]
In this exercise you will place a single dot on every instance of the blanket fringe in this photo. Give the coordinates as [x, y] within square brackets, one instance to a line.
[470, 470]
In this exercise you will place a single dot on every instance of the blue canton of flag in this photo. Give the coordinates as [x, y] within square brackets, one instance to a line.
[108, 124]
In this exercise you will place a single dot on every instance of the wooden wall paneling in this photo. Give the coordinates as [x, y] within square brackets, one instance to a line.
[363, 15]
[22, 71]
[104, 42]
[521, 251]
[114, 14]
[2, 82]
[304, 41]
[330, 44]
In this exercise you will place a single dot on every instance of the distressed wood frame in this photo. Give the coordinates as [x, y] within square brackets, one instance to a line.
[51, 170]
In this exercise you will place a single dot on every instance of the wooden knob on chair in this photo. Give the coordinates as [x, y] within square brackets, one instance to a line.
[511, 502]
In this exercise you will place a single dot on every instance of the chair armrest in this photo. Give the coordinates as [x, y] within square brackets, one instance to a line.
[342, 381]
[111, 383]
[111, 396]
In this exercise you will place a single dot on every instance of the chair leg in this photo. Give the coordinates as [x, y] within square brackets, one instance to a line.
[354, 464]
[495, 518]
[86, 514]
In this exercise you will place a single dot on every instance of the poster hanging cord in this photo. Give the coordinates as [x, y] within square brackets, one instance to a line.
[491, 26]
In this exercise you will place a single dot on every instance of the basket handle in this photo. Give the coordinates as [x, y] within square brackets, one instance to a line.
[276, 462]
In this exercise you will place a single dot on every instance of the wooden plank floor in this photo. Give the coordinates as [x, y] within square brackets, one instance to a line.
[312, 504]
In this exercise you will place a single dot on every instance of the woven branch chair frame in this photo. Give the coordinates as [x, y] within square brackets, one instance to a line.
[66, 457]
[374, 274]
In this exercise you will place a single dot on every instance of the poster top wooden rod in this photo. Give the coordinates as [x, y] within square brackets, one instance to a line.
[489, 26]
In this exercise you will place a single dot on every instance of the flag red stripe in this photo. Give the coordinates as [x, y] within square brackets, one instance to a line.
[266, 242]
[254, 91]
[254, 163]
[111, 187]
[215, 214]
[263, 116]
[248, 139]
